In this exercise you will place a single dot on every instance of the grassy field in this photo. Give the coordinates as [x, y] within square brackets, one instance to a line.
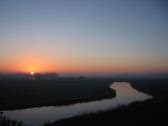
[17, 94]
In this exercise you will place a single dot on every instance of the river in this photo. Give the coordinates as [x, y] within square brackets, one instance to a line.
[125, 94]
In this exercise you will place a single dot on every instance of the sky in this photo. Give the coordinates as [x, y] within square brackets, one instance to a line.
[83, 36]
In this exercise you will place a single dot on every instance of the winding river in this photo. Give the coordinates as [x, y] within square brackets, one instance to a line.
[125, 94]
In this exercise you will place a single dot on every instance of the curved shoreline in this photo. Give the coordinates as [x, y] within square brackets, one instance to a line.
[125, 94]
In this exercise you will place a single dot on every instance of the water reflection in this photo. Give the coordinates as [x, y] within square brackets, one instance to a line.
[125, 94]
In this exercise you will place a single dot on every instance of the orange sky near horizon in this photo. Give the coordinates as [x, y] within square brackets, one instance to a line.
[30, 64]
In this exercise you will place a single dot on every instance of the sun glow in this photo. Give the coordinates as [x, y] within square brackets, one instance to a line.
[32, 73]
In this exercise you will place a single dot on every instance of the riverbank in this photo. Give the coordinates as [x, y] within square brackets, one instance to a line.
[145, 113]
[140, 113]
[19, 94]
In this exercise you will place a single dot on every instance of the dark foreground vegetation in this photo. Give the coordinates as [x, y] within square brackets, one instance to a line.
[4, 121]
[17, 94]
[151, 112]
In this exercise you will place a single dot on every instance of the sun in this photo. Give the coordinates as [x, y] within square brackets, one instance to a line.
[32, 73]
